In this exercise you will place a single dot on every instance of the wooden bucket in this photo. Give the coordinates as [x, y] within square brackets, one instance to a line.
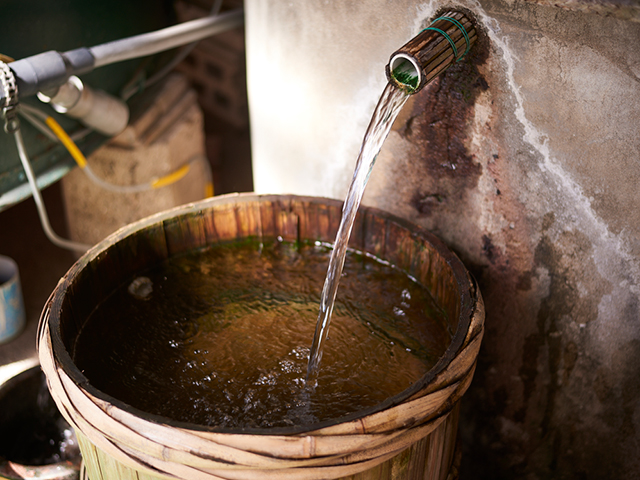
[411, 435]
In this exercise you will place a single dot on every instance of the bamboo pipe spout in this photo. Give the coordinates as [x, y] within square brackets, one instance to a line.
[446, 41]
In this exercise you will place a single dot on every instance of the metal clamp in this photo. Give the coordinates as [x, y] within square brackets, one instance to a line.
[10, 96]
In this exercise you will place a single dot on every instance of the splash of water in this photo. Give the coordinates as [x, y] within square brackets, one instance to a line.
[385, 113]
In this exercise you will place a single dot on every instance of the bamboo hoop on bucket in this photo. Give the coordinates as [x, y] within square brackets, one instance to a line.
[158, 448]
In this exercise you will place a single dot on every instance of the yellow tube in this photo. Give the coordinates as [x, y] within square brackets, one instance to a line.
[82, 161]
[67, 142]
[171, 177]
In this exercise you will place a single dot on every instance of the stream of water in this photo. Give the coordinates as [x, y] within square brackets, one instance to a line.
[385, 113]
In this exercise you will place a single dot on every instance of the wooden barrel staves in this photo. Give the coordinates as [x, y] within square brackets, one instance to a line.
[411, 435]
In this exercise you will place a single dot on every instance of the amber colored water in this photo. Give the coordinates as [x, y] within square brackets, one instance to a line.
[220, 337]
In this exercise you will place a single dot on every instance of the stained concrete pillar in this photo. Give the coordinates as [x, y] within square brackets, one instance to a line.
[524, 159]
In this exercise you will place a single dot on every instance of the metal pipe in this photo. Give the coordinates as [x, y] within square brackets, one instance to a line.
[96, 109]
[432, 51]
[49, 70]
[165, 39]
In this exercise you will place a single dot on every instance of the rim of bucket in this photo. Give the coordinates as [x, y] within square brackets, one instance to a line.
[468, 300]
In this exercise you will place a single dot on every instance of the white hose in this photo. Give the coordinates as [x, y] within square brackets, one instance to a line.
[112, 187]
[42, 211]
[32, 114]
[33, 120]
[141, 187]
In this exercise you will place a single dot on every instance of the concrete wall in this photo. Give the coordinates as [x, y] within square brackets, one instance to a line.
[525, 159]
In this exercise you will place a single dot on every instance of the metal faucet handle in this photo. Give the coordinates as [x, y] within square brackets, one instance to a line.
[9, 99]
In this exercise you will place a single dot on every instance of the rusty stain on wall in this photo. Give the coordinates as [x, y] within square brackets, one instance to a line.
[437, 126]
[538, 277]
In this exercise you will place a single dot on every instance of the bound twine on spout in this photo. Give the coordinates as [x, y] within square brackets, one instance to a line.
[451, 42]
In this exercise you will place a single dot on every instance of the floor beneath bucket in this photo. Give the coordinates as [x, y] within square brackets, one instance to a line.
[40, 265]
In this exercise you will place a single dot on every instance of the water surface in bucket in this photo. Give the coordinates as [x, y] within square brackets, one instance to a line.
[220, 337]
